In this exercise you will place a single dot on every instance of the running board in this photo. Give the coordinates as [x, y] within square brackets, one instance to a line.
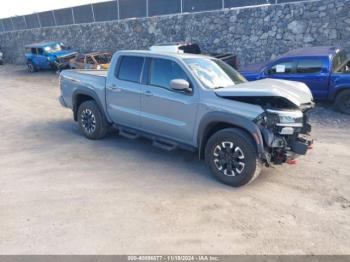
[161, 143]
[164, 144]
[128, 133]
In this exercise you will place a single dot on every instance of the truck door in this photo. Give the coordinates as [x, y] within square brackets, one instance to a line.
[166, 112]
[314, 72]
[123, 91]
[40, 60]
[282, 69]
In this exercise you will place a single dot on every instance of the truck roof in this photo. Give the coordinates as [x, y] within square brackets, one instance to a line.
[41, 44]
[313, 51]
[165, 54]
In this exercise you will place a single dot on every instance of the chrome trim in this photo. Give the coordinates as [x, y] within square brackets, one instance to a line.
[290, 124]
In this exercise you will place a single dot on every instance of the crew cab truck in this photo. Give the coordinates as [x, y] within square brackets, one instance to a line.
[325, 70]
[194, 102]
[47, 55]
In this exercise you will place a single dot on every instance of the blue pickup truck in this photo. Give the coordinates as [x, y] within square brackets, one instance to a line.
[325, 70]
[47, 55]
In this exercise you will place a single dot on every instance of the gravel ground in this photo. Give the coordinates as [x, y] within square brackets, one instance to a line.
[63, 194]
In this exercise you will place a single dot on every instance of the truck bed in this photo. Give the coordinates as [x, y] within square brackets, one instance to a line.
[102, 73]
[91, 81]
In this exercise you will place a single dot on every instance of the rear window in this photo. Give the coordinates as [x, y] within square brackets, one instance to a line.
[339, 60]
[309, 66]
[163, 71]
[131, 68]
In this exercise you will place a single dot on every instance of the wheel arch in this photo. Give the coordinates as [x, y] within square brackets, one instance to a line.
[340, 90]
[80, 96]
[216, 121]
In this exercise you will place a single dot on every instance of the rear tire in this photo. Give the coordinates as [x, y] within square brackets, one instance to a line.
[92, 122]
[342, 102]
[232, 158]
[31, 67]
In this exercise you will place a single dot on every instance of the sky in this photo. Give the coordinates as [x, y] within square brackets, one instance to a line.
[24, 7]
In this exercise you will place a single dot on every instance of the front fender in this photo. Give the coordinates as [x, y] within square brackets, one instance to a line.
[212, 119]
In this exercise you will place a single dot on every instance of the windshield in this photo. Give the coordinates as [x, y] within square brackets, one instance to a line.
[54, 48]
[214, 73]
[339, 60]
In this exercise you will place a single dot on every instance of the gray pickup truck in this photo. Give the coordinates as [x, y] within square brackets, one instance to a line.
[196, 103]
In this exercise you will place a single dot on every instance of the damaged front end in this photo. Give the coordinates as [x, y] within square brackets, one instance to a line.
[62, 62]
[286, 132]
[284, 122]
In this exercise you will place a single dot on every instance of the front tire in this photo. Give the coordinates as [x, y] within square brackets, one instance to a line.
[92, 122]
[31, 67]
[232, 158]
[342, 102]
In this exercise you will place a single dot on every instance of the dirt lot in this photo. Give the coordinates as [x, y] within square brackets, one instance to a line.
[63, 194]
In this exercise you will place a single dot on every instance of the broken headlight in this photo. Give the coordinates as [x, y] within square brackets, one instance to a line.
[267, 119]
[273, 118]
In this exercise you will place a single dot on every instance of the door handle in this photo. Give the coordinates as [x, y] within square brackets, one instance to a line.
[114, 88]
[148, 93]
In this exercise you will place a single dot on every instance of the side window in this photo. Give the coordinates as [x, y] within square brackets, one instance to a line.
[163, 71]
[309, 66]
[33, 50]
[131, 68]
[80, 59]
[281, 68]
[89, 60]
[40, 51]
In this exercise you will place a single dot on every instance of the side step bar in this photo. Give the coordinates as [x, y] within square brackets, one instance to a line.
[128, 133]
[164, 144]
[157, 141]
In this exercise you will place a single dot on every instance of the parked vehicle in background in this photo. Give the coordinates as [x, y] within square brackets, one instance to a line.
[95, 60]
[1, 57]
[197, 103]
[189, 48]
[325, 70]
[47, 55]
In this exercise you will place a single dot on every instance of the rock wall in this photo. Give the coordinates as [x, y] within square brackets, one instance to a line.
[253, 33]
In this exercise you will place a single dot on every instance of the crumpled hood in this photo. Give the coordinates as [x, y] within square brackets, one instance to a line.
[64, 53]
[296, 92]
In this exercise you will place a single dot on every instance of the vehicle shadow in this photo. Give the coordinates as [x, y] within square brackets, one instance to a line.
[66, 133]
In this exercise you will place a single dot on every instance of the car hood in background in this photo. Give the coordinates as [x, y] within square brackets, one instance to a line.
[253, 68]
[64, 53]
[296, 92]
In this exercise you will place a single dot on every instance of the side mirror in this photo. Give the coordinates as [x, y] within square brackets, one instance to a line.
[180, 85]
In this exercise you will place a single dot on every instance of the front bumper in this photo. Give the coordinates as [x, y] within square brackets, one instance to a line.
[282, 148]
[301, 144]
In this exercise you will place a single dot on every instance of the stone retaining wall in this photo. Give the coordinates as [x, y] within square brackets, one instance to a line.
[254, 33]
